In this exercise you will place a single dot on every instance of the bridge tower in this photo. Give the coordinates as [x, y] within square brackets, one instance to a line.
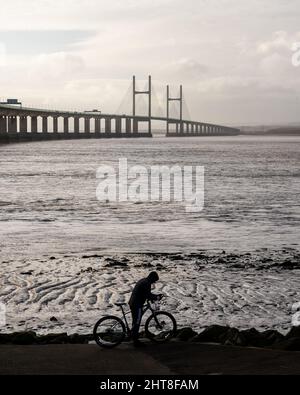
[170, 99]
[149, 94]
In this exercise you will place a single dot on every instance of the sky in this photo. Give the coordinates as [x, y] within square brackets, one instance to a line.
[233, 57]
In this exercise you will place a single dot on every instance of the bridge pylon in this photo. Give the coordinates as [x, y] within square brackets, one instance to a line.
[178, 99]
[149, 94]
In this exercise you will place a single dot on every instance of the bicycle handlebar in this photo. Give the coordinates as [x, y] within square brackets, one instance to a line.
[159, 298]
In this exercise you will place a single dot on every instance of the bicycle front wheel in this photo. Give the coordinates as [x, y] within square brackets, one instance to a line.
[109, 332]
[160, 327]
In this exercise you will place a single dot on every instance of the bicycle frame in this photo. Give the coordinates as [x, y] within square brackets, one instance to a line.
[147, 306]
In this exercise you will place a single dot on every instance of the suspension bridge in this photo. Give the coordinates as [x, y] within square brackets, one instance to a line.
[20, 123]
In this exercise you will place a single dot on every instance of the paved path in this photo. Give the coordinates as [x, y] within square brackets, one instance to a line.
[172, 358]
[77, 359]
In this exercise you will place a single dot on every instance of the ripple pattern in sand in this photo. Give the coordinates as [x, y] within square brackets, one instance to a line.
[78, 291]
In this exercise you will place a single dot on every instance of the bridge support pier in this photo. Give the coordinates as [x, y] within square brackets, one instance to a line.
[190, 128]
[87, 126]
[23, 124]
[108, 126]
[3, 124]
[118, 125]
[66, 125]
[76, 125]
[128, 126]
[34, 124]
[45, 125]
[97, 126]
[135, 126]
[12, 124]
[55, 125]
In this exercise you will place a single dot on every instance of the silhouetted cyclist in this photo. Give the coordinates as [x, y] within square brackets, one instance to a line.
[141, 292]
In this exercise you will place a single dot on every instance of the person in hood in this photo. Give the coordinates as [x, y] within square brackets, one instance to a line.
[140, 294]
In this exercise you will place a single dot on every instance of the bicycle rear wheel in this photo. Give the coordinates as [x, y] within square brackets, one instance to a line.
[109, 331]
[160, 327]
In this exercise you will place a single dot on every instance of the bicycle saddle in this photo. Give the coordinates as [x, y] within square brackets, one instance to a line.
[120, 304]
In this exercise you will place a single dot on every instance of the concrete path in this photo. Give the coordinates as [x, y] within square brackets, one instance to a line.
[77, 360]
[166, 359]
[207, 359]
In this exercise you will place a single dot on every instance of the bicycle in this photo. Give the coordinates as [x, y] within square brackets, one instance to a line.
[110, 331]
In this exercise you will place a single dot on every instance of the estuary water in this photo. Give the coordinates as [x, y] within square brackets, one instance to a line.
[48, 199]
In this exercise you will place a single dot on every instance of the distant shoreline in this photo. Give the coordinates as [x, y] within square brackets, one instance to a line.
[282, 131]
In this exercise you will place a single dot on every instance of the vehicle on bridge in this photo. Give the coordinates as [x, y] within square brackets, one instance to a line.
[12, 102]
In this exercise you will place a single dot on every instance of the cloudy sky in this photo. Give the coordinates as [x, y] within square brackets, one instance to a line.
[233, 57]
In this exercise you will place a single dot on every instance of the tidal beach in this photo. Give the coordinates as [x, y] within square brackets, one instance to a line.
[66, 255]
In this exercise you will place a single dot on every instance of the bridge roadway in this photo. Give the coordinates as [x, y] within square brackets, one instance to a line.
[18, 124]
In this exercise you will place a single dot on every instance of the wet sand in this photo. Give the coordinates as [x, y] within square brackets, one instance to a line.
[240, 290]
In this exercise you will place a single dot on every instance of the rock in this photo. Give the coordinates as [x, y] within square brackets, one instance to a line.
[61, 338]
[29, 273]
[20, 338]
[291, 344]
[24, 338]
[5, 338]
[47, 339]
[91, 256]
[80, 339]
[87, 270]
[255, 338]
[267, 260]
[175, 257]
[272, 337]
[289, 265]
[114, 262]
[53, 319]
[147, 264]
[52, 258]
[233, 337]
[212, 334]
[294, 332]
[238, 266]
[185, 334]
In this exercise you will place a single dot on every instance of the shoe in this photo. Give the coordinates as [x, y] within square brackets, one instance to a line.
[138, 343]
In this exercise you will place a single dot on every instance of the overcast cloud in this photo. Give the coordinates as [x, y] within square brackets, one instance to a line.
[232, 56]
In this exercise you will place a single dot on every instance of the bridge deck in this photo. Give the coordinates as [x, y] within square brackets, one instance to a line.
[125, 126]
